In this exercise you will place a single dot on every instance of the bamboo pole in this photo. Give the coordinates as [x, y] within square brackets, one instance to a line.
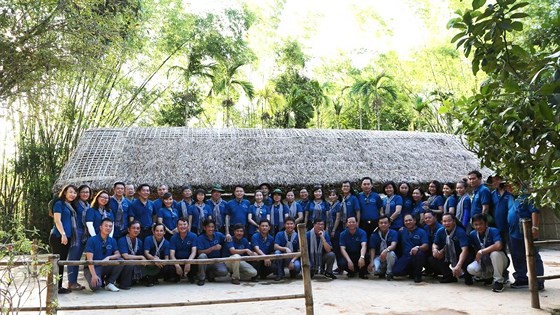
[551, 277]
[530, 257]
[546, 242]
[306, 270]
[52, 285]
[34, 260]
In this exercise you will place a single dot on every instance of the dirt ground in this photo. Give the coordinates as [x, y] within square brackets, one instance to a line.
[341, 296]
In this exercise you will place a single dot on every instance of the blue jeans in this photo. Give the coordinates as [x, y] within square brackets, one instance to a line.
[410, 265]
[518, 257]
[281, 263]
[75, 253]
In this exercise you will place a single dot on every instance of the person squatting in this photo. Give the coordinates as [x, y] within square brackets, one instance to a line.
[447, 233]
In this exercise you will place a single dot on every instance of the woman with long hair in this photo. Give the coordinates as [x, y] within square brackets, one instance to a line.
[435, 200]
[199, 211]
[316, 208]
[463, 208]
[450, 198]
[418, 199]
[64, 233]
[81, 205]
[405, 191]
[167, 215]
[98, 211]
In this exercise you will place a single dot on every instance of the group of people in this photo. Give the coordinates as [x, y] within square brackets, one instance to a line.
[446, 233]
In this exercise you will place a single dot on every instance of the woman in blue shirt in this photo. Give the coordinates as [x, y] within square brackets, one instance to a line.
[168, 216]
[418, 199]
[257, 211]
[450, 198]
[198, 212]
[64, 232]
[81, 204]
[392, 205]
[98, 211]
[435, 201]
[463, 207]
[405, 191]
[316, 208]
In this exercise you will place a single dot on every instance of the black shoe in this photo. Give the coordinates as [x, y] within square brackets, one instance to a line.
[497, 286]
[381, 275]
[64, 291]
[351, 275]
[255, 279]
[200, 282]
[365, 277]
[417, 279]
[211, 279]
[191, 279]
[540, 286]
[488, 281]
[448, 280]
[278, 278]
[389, 277]
[149, 284]
[124, 288]
[156, 281]
[329, 275]
[518, 284]
[468, 279]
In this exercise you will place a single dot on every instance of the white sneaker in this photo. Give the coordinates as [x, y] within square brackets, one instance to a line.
[111, 287]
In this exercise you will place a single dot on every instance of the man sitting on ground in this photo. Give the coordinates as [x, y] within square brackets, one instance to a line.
[382, 246]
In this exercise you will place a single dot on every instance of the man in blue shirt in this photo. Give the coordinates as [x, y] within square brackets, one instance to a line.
[287, 242]
[523, 209]
[482, 198]
[370, 207]
[183, 246]
[103, 247]
[490, 260]
[119, 207]
[321, 257]
[263, 244]
[142, 209]
[209, 245]
[158, 203]
[414, 245]
[239, 246]
[353, 247]
[131, 248]
[218, 206]
[156, 247]
[382, 246]
[237, 210]
[450, 250]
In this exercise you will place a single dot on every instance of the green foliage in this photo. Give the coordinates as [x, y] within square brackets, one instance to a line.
[375, 90]
[513, 121]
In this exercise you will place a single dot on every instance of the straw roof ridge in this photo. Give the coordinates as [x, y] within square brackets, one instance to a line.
[283, 157]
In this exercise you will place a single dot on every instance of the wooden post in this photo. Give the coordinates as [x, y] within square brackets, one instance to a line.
[530, 257]
[306, 270]
[52, 284]
[34, 250]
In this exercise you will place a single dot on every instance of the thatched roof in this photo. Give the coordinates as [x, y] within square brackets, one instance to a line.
[282, 157]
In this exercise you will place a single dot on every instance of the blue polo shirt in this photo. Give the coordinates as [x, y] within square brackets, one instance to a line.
[243, 243]
[308, 235]
[222, 205]
[65, 218]
[93, 215]
[352, 205]
[436, 202]
[523, 209]
[95, 246]
[396, 201]
[203, 243]
[81, 213]
[450, 202]
[333, 210]
[255, 211]
[151, 247]
[183, 247]
[304, 203]
[407, 206]
[408, 239]
[502, 205]
[158, 204]
[238, 211]
[281, 240]
[375, 240]
[491, 239]
[417, 210]
[143, 212]
[431, 232]
[370, 206]
[196, 219]
[322, 207]
[460, 239]
[114, 206]
[183, 208]
[299, 209]
[169, 217]
[465, 220]
[481, 196]
[353, 242]
[123, 247]
[265, 244]
[276, 211]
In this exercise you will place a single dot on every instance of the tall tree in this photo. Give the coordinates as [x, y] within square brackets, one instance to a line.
[375, 90]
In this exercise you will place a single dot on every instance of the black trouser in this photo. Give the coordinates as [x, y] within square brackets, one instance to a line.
[262, 270]
[440, 266]
[368, 226]
[354, 257]
[146, 231]
[60, 249]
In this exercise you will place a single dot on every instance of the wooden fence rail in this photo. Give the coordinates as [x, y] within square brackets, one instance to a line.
[52, 287]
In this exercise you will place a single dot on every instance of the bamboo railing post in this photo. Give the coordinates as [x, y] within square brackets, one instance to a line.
[52, 284]
[34, 250]
[306, 270]
[530, 257]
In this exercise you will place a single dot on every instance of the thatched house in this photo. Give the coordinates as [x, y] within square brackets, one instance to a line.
[282, 157]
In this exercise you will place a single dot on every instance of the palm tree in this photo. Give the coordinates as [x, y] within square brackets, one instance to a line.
[374, 90]
[225, 82]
